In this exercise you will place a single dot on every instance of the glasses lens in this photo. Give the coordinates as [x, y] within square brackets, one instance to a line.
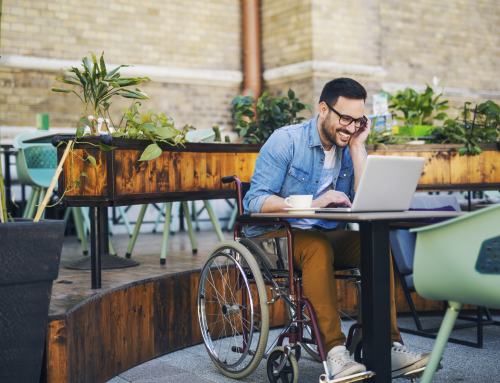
[345, 120]
[360, 123]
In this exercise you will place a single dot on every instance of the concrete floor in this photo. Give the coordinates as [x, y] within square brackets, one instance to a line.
[460, 363]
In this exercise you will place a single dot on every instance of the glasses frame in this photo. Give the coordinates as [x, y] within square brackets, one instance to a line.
[363, 119]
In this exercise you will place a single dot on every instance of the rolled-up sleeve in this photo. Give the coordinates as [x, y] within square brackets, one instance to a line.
[270, 170]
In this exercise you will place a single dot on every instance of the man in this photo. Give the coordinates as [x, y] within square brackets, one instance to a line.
[323, 157]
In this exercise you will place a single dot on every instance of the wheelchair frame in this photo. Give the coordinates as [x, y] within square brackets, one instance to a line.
[296, 302]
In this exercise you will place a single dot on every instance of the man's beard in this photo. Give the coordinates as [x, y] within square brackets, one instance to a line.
[332, 137]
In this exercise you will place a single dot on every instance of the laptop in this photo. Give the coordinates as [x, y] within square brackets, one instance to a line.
[387, 184]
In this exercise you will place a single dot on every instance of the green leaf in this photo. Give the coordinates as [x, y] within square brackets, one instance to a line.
[153, 112]
[61, 90]
[92, 161]
[291, 94]
[146, 117]
[151, 152]
[80, 130]
[117, 134]
[106, 148]
[165, 133]
[83, 174]
[103, 66]
[77, 183]
[149, 127]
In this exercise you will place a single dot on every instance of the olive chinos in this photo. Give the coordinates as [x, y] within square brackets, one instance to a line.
[315, 253]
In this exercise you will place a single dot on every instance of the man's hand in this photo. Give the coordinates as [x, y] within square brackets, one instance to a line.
[360, 136]
[332, 198]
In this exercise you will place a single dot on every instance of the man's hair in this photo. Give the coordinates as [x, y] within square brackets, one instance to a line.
[345, 87]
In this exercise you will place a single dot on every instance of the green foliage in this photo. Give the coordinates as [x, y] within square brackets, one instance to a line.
[216, 130]
[417, 109]
[270, 113]
[482, 126]
[98, 86]
[383, 136]
[151, 126]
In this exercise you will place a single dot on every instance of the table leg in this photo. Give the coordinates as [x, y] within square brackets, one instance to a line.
[376, 299]
[95, 246]
[7, 180]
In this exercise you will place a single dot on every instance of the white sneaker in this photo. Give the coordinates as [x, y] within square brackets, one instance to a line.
[404, 360]
[340, 364]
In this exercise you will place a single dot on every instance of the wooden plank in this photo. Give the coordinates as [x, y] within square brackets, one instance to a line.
[227, 168]
[200, 170]
[160, 318]
[491, 166]
[175, 173]
[427, 176]
[56, 349]
[475, 169]
[196, 336]
[151, 174]
[442, 173]
[187, 171]
[458, 168]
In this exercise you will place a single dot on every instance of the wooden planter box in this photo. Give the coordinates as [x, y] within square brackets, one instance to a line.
[179, 174]
[444, 169]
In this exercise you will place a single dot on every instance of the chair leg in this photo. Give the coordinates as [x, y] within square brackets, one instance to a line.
[131, 245]
[160, 214]
[190, 226]
[232, 220]
[112, 250]
[67, 212]
[126, 222]
[36, 194]
[79, 228]
[214, 219]
[28, 203]
[442, 338]
[41, 196]
[195, 215]
[166, 233]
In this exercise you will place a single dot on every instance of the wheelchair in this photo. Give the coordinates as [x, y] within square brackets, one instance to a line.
[233, 305]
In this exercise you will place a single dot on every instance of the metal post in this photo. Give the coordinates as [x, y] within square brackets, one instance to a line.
[376, 299]
[95, 247]
[104, 230]
[8, 181]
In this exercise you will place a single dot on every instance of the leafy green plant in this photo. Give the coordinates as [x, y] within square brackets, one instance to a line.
[383, 136]
[417, 109]
[150, 126]
[98, 86]
[256, 121]
[480, 125]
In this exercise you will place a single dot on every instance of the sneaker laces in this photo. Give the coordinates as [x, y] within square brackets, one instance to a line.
[398, 347]
[340, 357]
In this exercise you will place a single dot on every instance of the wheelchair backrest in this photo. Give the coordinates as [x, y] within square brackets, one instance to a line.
[274, 249]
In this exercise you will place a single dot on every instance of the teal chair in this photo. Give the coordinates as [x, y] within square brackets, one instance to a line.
[171, 210]
[458, 261]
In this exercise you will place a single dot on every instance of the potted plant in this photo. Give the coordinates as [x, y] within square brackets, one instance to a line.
[419, 111]
[256, 121]
[147, 160]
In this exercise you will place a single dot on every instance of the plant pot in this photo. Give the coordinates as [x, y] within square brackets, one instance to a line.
[29, 255]
[418, 130]
[416, 142]
[181, 173]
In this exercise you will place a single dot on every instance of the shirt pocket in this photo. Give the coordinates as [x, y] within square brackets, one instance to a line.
[345, 177]
[298, 174]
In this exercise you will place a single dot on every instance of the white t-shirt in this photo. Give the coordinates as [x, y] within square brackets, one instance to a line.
[325, 184]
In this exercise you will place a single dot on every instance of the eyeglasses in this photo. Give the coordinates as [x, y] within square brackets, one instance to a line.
[346, 120]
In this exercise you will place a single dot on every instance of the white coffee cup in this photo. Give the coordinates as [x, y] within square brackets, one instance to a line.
[299, 201]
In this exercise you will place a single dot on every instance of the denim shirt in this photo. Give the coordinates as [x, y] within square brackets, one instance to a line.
[290, 163]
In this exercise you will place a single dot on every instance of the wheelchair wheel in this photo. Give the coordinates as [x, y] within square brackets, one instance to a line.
[254, 249]
[232, 309]
[289, 373]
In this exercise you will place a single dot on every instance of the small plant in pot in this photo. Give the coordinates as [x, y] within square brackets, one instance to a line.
[419, 111]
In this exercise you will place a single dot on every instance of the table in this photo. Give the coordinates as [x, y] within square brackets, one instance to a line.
[375, 291]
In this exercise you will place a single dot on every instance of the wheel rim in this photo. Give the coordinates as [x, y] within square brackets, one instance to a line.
[273, 361]
[227, 310]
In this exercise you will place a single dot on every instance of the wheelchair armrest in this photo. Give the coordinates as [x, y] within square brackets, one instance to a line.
[247, 218]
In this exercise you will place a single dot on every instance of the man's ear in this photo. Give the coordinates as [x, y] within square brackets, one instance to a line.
[323, 109]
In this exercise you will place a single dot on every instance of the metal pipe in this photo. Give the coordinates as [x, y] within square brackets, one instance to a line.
[251, 48]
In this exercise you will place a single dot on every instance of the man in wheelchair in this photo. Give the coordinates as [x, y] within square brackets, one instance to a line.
[323, 157]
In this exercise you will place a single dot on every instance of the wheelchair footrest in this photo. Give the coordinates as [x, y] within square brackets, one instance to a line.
[346, 379]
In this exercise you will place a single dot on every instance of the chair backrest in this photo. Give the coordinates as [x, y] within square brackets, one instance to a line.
[403, 242]
[449, 259]
[40, 157]
[204, 135]
[18, 140]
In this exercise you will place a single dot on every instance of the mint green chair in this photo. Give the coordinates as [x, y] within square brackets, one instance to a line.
[458, 261]
[171, 210]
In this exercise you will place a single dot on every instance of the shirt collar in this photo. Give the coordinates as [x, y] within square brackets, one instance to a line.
[314, 139]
